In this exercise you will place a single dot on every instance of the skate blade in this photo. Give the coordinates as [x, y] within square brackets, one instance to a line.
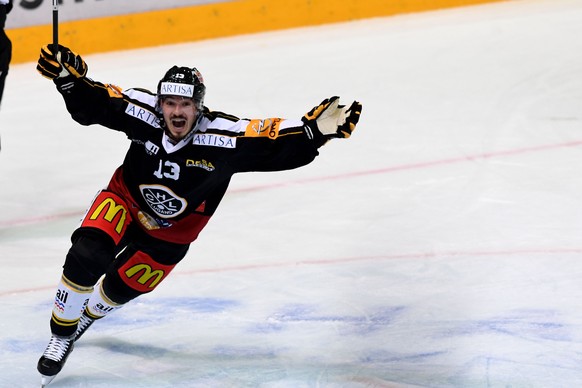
[45, 380]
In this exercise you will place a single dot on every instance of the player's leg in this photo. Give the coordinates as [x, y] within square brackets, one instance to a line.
[139, 268]
[91, 254]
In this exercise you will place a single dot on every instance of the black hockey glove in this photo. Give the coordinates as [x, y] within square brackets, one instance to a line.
[64, 63]
[331, 120]
[7, 4]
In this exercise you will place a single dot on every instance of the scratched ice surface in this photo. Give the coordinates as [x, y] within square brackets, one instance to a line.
[440, 246]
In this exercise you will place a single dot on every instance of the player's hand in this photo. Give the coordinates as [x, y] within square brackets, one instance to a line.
[61, 64]
[334, 120]
[8, 4]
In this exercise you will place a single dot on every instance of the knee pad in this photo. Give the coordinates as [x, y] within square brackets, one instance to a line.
[89, 257]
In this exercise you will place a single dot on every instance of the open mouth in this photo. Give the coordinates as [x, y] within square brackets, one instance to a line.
[179, 123]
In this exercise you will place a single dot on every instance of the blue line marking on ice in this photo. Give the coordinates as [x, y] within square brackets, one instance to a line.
[534, 325]
[17, 346]
[383, 356]
[198, 305]
[359, 324]
[146, 312]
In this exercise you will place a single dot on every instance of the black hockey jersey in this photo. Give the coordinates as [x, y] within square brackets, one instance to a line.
[179, 186]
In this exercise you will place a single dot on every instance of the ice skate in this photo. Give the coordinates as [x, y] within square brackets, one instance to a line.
[45, 380]
[54, 357]
[84, 323]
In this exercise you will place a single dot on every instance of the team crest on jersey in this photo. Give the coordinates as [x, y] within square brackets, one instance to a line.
[163, 201]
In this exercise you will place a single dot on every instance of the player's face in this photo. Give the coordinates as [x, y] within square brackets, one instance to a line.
[180, 114]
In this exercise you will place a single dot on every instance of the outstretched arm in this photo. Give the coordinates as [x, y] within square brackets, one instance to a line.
[278, 144]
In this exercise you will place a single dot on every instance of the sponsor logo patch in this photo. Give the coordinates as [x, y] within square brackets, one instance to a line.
[263, 128]
[59, 306]
[176, 89]
[111, 212]
[114, 91]
[61, 300]
[214, 140]
[163, 201]
[142, 273]
[144, 115]
[103, 310]
[151, 148]
[203, 164]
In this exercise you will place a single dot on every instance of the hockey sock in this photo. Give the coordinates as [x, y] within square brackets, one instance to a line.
[70, 301]
[100, 305]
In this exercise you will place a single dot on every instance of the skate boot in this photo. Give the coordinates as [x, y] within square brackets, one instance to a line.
[53, 359]
[84, 323]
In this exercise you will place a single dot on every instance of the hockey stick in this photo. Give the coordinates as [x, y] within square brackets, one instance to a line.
[55, 25]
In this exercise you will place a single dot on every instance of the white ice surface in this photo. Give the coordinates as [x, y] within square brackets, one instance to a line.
[440, 246]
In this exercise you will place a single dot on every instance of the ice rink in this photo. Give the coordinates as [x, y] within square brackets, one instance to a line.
[440, 246]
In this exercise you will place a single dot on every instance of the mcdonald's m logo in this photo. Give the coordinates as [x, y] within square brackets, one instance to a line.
[146, 278]
[113, 209]
[142, 273]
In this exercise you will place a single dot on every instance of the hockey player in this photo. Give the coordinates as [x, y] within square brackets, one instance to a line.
[175, 173]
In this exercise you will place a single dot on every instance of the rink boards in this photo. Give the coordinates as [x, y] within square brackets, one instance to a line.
[106, 25]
